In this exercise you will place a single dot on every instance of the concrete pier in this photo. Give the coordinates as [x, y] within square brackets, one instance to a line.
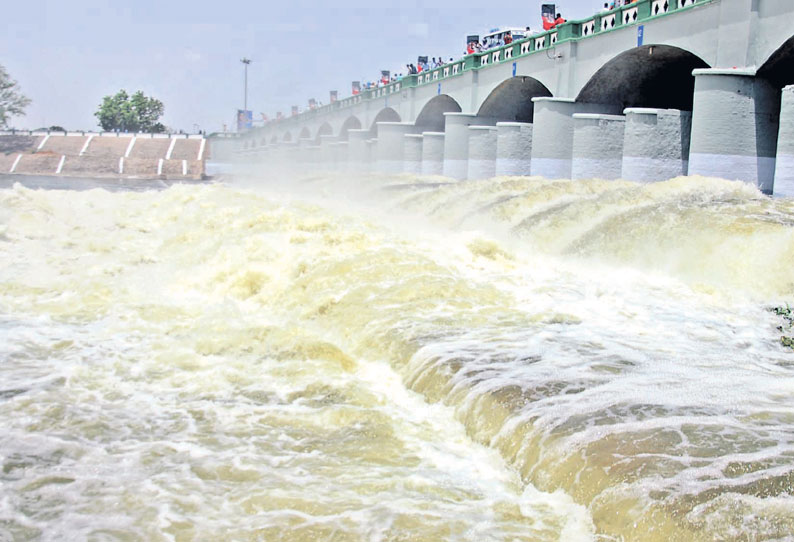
[456, 143]
[552, 134]
[513, 148]
[372, 153]
[412, 153]
[311, 155]
[432, 153]
[597, 146]
[784, 165]
[482, 152]
[391, 147]
[734, 127]
[552, 137]
[341, 154]
[327, 152]
[358, 153]
[656, 144]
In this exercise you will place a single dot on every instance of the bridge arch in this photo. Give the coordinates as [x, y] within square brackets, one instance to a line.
[351, 123]
[648, 76]
[324, 129]
[511, 100]
[305, 134]
[779, 67]
[431, 117]
[387, 114]
[287, 137]
[274, 139]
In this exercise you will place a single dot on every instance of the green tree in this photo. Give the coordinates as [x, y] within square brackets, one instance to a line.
[136, 113]
[12, 101]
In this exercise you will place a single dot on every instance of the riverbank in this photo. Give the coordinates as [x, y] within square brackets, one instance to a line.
[58, 182]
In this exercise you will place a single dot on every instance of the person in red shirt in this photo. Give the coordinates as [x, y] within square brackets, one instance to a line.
[508, 38]
[559, 20]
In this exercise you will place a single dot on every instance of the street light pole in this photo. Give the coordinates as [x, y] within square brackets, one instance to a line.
[246, 62]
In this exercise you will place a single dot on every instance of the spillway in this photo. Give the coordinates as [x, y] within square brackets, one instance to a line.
[373, 357]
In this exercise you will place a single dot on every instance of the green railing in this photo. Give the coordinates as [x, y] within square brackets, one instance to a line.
[600, 23]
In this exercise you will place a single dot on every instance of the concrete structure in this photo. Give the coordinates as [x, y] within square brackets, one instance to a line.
[456, 143]
[327, 152]
[372, 153]
[656, 144]
[513, 148]
[482, 152]
[552, 145]
[724, 60]
[391, 148]
[412, 154]
[597, 146]
[433, 153]
[358, 151]
[734, 126]
[784, 165]
[340, 153]
[104, 154]
[552, 137]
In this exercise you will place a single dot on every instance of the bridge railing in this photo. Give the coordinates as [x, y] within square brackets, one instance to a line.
[620, 17]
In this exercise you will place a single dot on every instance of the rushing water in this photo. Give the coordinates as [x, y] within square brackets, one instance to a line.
[376, 360]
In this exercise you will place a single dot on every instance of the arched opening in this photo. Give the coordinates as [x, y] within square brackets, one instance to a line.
[351, 123]
[778, 72]
[431, 117]
[325, 129]
[779, 67]
[263, 142]
[649, 76]
[287, 137]
[274, 139]
[305, 134]
[384, 115]
[511, 100]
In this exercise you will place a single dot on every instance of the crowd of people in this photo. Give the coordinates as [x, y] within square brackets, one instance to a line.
[422, 65]
[609, 6]
[498, 41]
[472, 47]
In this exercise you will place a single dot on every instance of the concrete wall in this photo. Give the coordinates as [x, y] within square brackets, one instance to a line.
[734, 125]
[656, 144]
[710, 30]
[482, 152]
[784, 166]
[98, 155]
[513, 148]
[597, 146]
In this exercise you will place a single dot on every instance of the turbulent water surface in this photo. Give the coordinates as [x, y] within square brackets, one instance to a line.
[379, 359]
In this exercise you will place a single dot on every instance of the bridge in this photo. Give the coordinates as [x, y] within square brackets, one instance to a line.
[648, 91]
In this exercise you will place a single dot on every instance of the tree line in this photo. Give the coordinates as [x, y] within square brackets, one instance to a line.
[120, 112]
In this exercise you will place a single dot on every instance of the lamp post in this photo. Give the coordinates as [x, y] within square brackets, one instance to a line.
[246, 62]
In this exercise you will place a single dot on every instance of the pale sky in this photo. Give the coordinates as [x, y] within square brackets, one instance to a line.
[67, 55]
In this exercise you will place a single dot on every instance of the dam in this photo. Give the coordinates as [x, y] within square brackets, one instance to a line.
[465, 309]
[699, 87]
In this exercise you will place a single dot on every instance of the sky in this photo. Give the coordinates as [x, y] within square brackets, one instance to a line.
[67, 55]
